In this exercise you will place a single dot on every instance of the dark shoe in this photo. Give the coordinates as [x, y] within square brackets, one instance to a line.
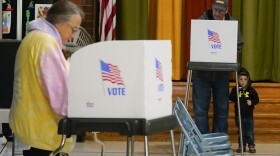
[252, 149]
[239, 150]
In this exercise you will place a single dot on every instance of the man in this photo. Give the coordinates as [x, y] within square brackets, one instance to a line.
[215, 82]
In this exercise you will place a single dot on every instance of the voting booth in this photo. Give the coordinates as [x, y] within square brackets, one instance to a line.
[121, 79]
[213, 41]
[213, 48]
[120, 86]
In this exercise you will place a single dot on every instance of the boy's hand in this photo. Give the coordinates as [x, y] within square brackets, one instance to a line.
[249, 102]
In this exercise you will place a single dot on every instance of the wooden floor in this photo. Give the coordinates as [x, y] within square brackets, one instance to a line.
[118, 148]
[267, 115]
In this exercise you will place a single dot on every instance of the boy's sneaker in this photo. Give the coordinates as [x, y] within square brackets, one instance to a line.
[239, 149]
[252, 149]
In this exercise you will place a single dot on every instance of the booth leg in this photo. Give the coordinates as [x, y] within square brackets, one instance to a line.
[172, 142]
[146, 145]
[239, 114]
[180, 144]
[130, 146]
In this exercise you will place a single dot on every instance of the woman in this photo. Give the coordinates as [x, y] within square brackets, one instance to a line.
[41, 76]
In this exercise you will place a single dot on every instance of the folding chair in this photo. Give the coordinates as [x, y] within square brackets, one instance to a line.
[206, 137]
[214, 143]
[193, 144]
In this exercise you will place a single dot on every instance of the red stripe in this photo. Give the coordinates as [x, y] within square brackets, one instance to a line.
[104, 4]
[114, 76]
[109, 22]
[114, 34]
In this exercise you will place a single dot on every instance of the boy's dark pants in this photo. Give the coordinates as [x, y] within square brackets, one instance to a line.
[247, 124]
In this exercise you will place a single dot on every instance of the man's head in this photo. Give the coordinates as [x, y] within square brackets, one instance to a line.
[220, 9]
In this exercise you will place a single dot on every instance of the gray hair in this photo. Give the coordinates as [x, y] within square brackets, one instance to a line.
[62, 11]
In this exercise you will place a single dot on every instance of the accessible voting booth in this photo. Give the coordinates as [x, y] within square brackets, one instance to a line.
[120, 86]
[213, 48]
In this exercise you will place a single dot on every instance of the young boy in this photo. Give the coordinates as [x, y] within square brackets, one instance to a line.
[248, 98]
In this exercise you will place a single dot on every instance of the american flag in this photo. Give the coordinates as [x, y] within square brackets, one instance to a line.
[111, 73]
[213, 36]
[107, 20]
[159, 70]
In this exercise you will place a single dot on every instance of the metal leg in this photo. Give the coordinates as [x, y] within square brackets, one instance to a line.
[172, 142]
[186, 102]
[189, 79]
[95, 139]
[128, 146]
[180, 144]
[55, 152]
[146, 145]
[239, 114]
[132, 146]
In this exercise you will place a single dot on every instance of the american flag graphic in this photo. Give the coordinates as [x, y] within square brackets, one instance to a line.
[213, 36]
[111, 73]
[159, 70]
[107, 20]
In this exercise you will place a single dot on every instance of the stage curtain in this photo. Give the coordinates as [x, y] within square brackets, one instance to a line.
[194, 9]
[276, 45]
[166, 22]
[260, 24]
[132, 19]
[170, 19]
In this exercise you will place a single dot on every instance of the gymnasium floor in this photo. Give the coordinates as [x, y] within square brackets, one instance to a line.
[118, 148]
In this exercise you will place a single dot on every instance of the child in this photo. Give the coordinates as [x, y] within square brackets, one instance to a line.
[248, 98]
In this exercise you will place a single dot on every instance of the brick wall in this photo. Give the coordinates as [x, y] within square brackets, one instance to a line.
[89, 7]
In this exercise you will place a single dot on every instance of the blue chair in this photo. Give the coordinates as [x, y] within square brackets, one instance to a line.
[193, 143]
